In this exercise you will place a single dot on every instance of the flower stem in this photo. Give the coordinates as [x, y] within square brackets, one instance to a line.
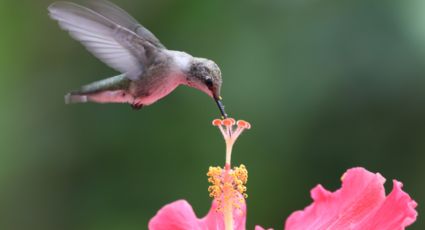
[227, 200]
[228, 217]
[229, 147]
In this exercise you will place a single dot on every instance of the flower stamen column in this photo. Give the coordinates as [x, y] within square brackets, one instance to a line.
[228, 185]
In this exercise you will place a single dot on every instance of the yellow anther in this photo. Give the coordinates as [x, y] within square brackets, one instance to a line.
[342, 177]
[228, 185]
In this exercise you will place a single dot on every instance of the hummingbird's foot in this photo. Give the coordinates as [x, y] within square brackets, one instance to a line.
[137, 106]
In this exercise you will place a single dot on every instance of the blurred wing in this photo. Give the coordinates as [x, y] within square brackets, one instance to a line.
[115, 45]
[122, 18]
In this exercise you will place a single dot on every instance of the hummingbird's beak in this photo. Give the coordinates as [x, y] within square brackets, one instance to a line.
[220, 106]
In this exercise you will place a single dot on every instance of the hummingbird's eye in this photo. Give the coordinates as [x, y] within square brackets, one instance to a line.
[209, 82]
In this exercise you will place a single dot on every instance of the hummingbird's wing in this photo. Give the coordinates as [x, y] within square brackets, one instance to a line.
[122, 18]
[112, 43]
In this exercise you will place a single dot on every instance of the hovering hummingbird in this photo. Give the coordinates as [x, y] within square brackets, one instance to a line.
[149, 70]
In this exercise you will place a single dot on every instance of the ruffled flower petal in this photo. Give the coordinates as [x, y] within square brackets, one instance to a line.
[257, 227]
[214, 220]
[179, 215]
[360, 204]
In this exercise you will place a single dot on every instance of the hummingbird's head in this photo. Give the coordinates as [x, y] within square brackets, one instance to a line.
[205, 75]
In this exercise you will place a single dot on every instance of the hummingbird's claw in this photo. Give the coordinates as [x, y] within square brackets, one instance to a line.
[137, 106]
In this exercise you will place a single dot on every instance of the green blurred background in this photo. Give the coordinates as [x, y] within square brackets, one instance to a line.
[326, 84]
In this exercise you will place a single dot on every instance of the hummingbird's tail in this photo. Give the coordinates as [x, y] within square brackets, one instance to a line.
[110, 90]
[72, 98]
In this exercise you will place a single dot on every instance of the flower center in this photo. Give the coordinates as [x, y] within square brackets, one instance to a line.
[228, 186]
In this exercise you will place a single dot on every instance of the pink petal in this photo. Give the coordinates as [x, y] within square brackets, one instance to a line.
[179, 215]
[215, 220]
[359, 204]
[257, 227]
[397, 211]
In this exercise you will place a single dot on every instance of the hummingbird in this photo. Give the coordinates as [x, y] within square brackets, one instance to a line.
[149, 71]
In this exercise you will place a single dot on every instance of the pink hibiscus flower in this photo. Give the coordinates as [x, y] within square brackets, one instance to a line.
[360, 203]
[179, 215]
[228, 210]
